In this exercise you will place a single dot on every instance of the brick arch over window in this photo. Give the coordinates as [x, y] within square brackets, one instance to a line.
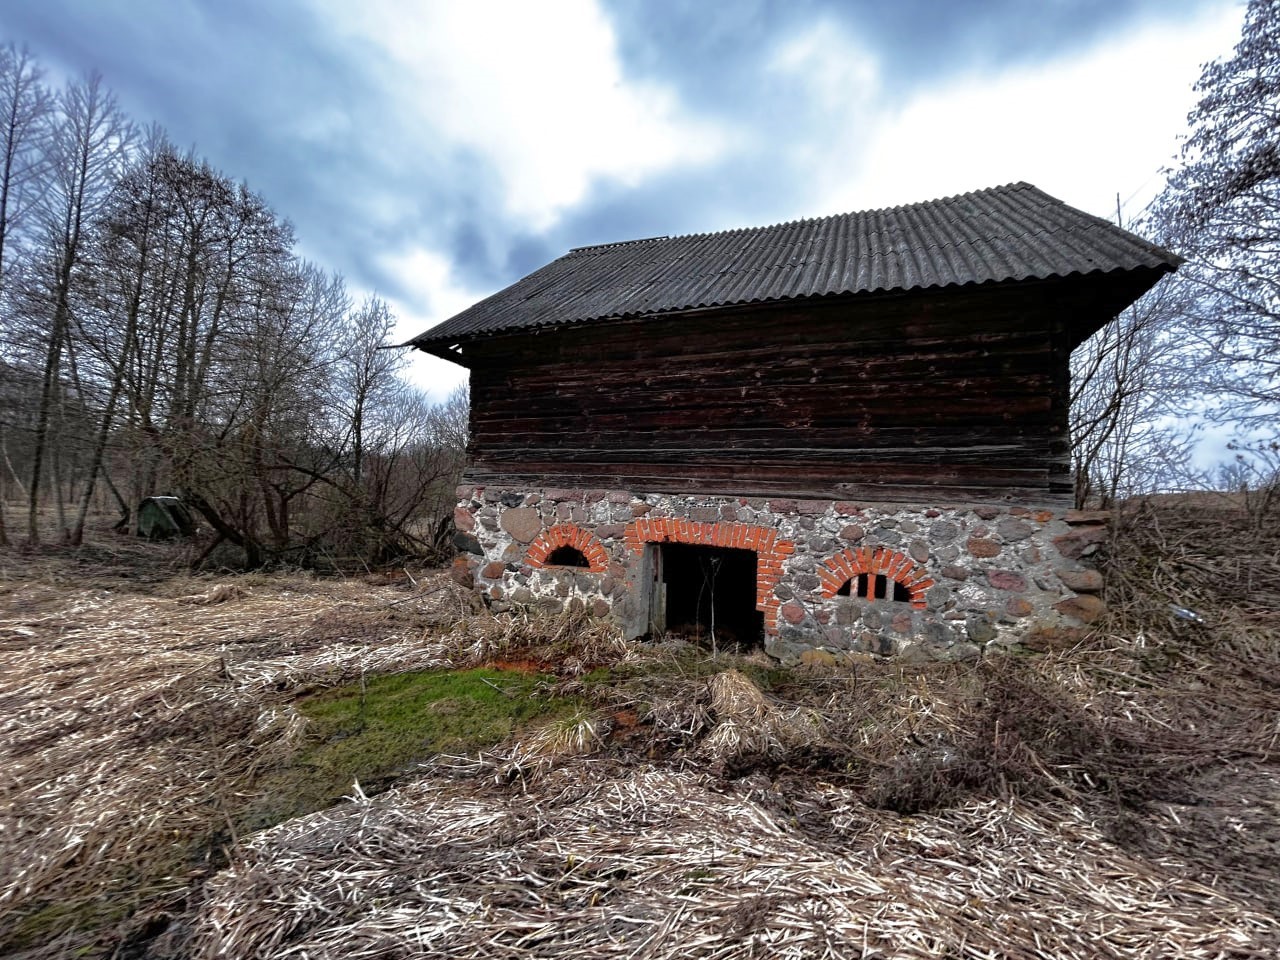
[568, 535]
[850, 564]
[770, 550]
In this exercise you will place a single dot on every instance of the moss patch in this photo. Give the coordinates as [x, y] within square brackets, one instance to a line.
[379, 732]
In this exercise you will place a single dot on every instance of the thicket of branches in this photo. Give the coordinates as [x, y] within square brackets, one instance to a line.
[159, 334]
[1203, 349]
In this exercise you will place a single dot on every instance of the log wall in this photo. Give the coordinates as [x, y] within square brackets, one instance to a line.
[959, 397]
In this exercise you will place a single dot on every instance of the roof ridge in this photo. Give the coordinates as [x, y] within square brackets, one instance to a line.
[710, 234]
[618, 243]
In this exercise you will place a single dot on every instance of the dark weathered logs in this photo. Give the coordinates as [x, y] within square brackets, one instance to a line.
[954, 395]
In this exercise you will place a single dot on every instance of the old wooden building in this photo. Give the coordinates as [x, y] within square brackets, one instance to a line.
[824, 424]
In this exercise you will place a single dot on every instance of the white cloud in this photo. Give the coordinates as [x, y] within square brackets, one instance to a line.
[835, 81]
[536, 89]
[1082, 129]
[432, 296]
[839, 73]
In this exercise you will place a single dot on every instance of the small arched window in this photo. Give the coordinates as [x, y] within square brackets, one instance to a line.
[874, 587]
[567, 556]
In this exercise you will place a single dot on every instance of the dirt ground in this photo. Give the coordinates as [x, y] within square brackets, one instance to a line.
[1120, 798]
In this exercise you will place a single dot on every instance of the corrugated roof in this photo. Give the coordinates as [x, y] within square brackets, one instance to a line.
[1013, 232]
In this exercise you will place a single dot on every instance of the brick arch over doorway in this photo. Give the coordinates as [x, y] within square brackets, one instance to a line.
[852, 563]
[568, 535]
[769, 548]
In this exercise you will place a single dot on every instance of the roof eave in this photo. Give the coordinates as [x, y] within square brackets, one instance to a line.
[449, 347]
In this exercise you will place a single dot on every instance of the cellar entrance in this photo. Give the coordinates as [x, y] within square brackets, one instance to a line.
[707, 595]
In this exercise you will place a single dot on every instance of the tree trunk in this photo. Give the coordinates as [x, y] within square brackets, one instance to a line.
[4, 533]
[117, 387]
[252, 549]
[57, 461]
[95, 460]
[48, 388]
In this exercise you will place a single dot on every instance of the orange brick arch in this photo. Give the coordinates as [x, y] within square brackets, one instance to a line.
[852, 563]
[770, 550]
[568, 535]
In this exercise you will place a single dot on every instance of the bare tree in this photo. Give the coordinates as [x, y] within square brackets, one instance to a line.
[121, 252]
[286, 446]
[1134, 403]
[411, 485]
[164, 331]
[1253, 476]
[1221, 209]
[24, 109]
[25, 105]
[366, 375]
[87, 147]
[243, 328]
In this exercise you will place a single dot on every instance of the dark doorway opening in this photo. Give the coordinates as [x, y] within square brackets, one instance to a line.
[711, 595]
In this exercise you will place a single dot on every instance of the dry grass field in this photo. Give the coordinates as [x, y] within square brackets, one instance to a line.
[277, 765]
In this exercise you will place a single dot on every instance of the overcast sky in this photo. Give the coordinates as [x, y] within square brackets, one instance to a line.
[433, 152]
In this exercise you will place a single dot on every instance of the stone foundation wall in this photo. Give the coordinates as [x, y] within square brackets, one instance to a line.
[969, 579]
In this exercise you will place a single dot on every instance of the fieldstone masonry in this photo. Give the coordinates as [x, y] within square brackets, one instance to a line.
[971, 580]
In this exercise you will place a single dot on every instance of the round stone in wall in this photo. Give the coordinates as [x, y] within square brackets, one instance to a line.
[936, 597]
[980, 629]
[522, 523]
[1019, 607]
[1007, 580]
[983, 547]
[1011, 529]
[943, 532]
[1081, 581]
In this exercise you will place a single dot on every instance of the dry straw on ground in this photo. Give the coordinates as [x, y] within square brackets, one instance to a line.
[748, 725]
[1117, 799]
[659, 863]
[132, 713]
